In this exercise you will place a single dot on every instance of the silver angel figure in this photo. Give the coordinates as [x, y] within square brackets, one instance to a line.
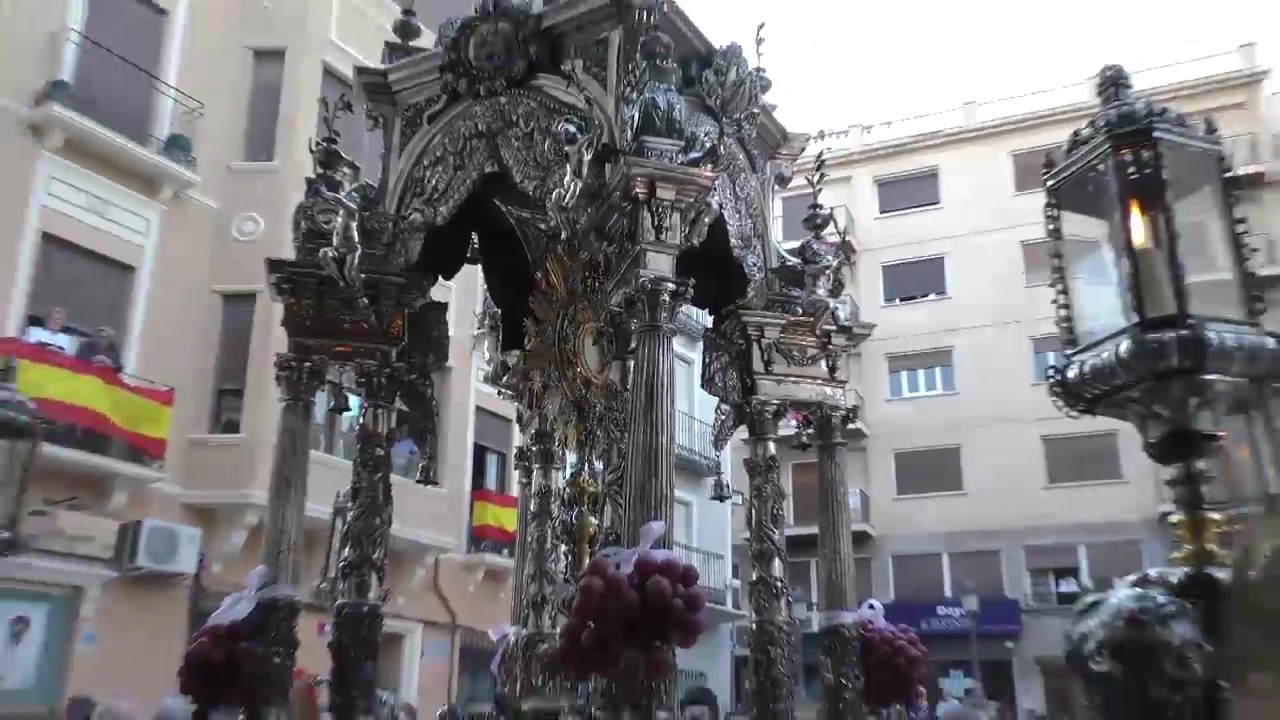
[823, 297]
[579, 146]
[341, 259]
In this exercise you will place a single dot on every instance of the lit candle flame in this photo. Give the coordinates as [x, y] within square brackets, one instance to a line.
[1137, 226]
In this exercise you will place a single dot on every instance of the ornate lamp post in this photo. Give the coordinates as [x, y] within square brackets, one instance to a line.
[1156, 307]
[19, 446]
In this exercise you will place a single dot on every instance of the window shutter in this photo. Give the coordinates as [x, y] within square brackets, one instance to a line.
[914, 278]
[1050, 343]
[1082, 458]
[804, 493]
[794, 208]
[932, 470]
[115, 81]
[906, 193]
[916, 361]
[918, 578]
[95, 290]
[266, 81]
[1028, 167]
[235, 339]
[1035, 262]
[493, 431]
[1048, 557]
[982, 568]
[1112, 560]
[862, 580]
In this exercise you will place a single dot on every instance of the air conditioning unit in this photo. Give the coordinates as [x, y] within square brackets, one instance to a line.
[155, 547]
[742, 636]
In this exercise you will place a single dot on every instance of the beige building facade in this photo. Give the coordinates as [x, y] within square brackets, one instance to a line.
[966, 476]
[153, 154]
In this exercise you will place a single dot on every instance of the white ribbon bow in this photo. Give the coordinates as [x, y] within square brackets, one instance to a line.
[237, 606]
[625, 558]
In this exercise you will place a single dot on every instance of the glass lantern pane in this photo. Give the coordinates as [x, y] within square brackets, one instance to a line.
[1093, 252]
[1204, 229]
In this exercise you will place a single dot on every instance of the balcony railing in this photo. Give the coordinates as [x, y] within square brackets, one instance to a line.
[712, 571]
[91, 407]
[493, 523]
[695, 445]
[124, 97]
[687, 680]
[334, 433]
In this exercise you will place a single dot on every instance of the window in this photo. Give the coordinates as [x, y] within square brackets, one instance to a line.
[804, 494]
[1112, 560]
[1082, 458]
[1028, 168]
[927, 471]
[862, 579]
[794, 208]
[800, 579]
[358, 141]
[918, 578]
[234, 340]
[684, 384]
[925, 373]
[1047, 353]
[912, 280]
[1035, 262]
[488, 469]
[1054, 574]
[117, 64]
[980, 570]
[682, 522]
[92, 290]
[908, 192]
[265, 82]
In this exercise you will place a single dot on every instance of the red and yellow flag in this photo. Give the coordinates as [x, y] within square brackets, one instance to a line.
[75, 392]
[493, 516]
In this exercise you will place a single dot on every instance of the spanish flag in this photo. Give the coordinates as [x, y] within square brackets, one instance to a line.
[493, 516]
[75, 392]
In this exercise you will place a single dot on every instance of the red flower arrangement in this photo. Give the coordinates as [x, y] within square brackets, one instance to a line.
[894, 660]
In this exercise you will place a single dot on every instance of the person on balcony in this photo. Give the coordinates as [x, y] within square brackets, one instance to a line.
[101, 349]
[52, 333]
[405, 455]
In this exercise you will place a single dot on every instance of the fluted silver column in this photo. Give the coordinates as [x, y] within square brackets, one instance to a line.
[298, 379]
[649, 475]
[523, 464]
[773, 631]
[841, 672]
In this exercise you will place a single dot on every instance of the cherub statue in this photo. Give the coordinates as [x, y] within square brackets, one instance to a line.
[659, 102]
[579, 146]
[341, 258]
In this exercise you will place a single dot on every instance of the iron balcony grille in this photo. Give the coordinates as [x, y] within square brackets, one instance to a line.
[687, 680]
[695, 446]
[712, 571]
[125, 98]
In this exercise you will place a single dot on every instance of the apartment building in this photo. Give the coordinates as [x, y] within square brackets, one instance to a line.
[154, 151]
[965, 476]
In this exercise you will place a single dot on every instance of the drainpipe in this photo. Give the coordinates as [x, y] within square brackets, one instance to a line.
[453, 628]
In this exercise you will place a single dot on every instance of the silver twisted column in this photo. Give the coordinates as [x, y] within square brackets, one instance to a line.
[841, 673]
[299, 379]
[773, 631]
[523, 464]
[359, 583]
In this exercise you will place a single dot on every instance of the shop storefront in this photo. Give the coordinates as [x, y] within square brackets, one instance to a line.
[944, 628]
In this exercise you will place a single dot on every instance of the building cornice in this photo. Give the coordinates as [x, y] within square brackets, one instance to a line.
[1078, 112]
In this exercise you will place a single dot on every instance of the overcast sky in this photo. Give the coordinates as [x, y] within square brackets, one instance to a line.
[835, 63]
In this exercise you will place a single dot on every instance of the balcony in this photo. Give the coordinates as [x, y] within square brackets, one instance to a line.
[1253, 155]
[713, 579]
[695, 445]
[804, 518]
[107, 106]
[100, 423]
[687, 680]
[692, 321]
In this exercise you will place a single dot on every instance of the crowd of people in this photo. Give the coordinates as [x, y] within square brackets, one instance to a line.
[52, 331]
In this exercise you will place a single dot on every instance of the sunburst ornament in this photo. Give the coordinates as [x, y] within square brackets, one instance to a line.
[570, 344]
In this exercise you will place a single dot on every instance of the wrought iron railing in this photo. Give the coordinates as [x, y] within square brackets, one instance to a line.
[90, 406]
[124, 97]
[695, 445]
[713, 575]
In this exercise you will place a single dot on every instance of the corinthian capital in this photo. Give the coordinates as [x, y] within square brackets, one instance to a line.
[826, 423]
[656, 300]
[299, 377]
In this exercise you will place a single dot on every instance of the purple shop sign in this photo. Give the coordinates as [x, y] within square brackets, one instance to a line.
[998, 617]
